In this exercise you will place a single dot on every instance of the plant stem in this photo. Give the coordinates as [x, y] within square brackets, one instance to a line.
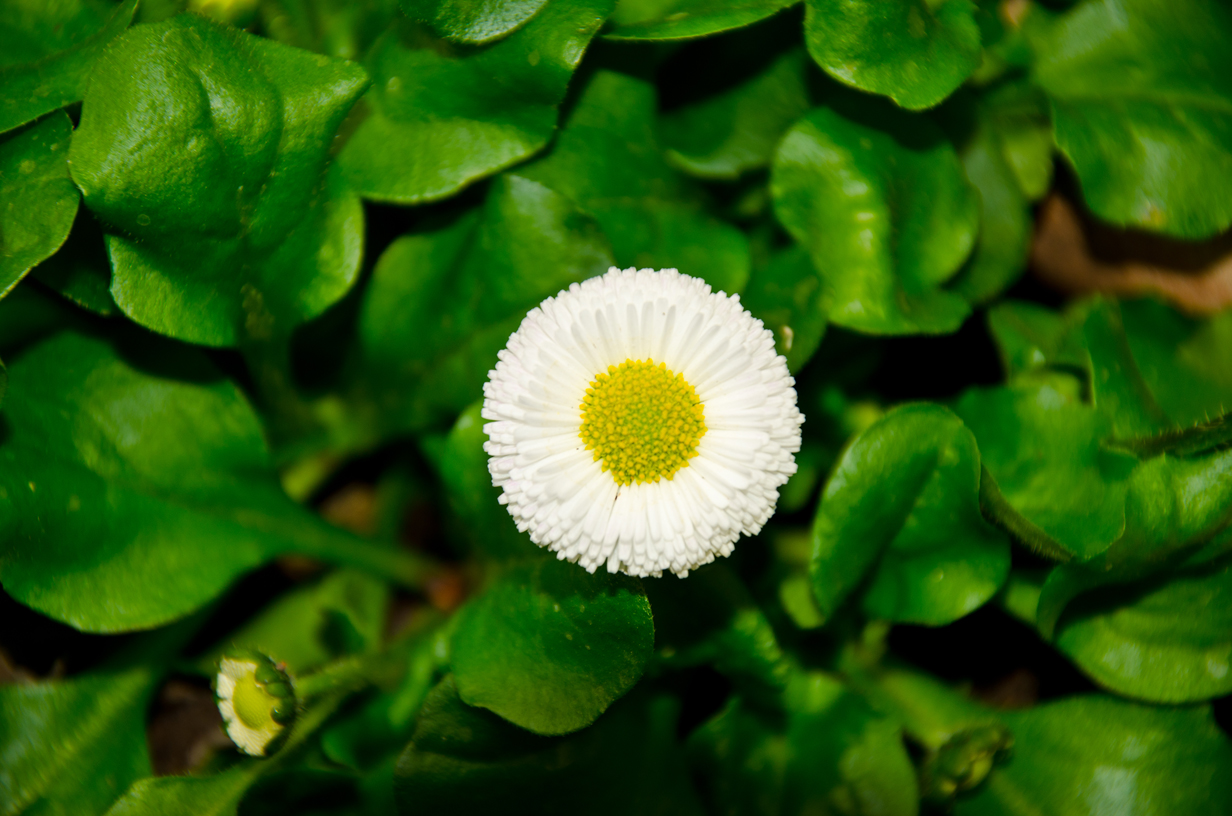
[409, 569]
[1200, 438]
[998, 511]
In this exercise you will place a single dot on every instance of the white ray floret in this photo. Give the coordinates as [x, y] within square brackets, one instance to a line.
[552, 486]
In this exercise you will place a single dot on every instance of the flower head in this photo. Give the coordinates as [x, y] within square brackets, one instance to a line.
[257, 701]
[641, 421]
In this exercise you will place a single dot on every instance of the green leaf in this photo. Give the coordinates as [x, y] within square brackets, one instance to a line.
[879, 199]
[735, 130]
[472, 281]
[468, 761]
[232, 230]
[1031, 338]
[1168, 640]
[342, 614]
[549, 646]
[339, 28]
[914, 51]
[832, 755]
[1172, 507]
[1018, 119]
[1000, 254]
[788, 296]
[479, 516]
[1043, 446]
[1141, 96]
[901, 514]
[473, 23]
[1117, 388]
[439, 117]
[220, 794]
[607, 161]
[48, 52]
[686, 19]
[129, 497]
[37, 198]
[73, 746]
[1092, 754]
[1186, 362]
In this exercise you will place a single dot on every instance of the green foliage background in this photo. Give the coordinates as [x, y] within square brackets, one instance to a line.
[254, 253]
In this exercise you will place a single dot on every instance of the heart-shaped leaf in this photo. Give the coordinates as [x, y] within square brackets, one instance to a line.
[472, 23]
[205, 152]
[901, 512]
[550, 646]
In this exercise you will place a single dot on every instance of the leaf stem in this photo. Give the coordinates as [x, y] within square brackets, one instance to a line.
[997, 509]
[1200, 438]
[404, 567]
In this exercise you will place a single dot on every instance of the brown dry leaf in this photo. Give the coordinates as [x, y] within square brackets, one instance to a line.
[1080, 257]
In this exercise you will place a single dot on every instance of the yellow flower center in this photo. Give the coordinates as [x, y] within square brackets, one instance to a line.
[643, 421]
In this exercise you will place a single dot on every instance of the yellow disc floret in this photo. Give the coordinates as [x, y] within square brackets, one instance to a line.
[642, 421]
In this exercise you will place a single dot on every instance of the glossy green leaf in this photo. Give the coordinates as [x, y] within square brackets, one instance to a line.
[472, 281]
[1031, 338]
[1141, 96]
[233, 231]
[1089, 755]
[37, 198]
[606, 159]
[1168, 640]
[1172, 507]
[129, 495]
[73, 746]
[339, 28]
[901, 512]
[48, 51]
[439, 117]
[1186, 362]
[788, 296]
[832, 755]
[686, 19]
[343, 613]
[1043, 447]
[880, 201]
[466, 760]
[473, 23]
[1000, 254]
[1117, 388]
[550, 646]
[913, 51]
[478, 514]
[736, 130]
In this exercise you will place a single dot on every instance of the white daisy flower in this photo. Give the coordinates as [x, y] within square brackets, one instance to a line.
[256, 699]
[641, 421]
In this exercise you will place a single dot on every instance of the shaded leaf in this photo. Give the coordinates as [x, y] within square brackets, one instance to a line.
[901, 515]
[736, 130]
[1145, 121]
[1093, 754]
[788, 296]
[232, 232]
[913, 51]
[48, 52]
[440, 117]
[129, 497]
[685, 19]
[37, 198]
[1031, 338]
[80, 270]
[550, 646]
[466, 760]
[880, 201]
[607, 161]
[473, 281]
